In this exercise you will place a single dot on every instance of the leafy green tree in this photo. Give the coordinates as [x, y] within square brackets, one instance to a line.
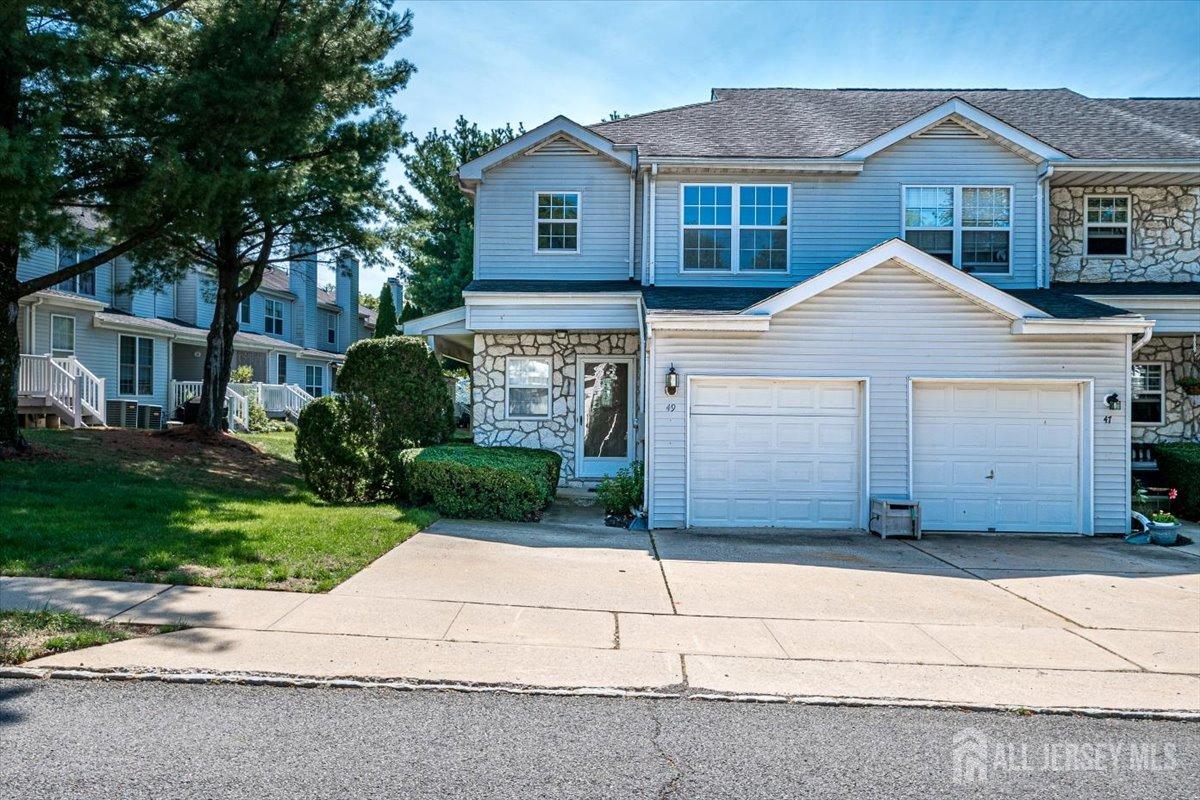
[278, 129]
[409, 312]
[436, 241]
[385, 322]
[72, 75]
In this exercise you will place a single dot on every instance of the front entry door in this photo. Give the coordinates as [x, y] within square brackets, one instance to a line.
[605, 439]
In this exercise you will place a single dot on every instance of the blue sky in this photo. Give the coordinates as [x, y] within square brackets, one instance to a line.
[516, 62]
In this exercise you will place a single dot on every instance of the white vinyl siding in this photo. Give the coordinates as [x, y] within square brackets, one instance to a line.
[62, 335]
[836, 217]
[505, 217]
[542, 317]
[890, 326]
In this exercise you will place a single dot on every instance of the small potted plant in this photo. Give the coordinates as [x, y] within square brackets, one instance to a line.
[1164, 528]
[1190, 385]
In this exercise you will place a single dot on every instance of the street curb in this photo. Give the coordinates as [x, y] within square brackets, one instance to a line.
[303, 682]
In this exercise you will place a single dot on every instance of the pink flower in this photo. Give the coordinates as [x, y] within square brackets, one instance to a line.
[1173, 494]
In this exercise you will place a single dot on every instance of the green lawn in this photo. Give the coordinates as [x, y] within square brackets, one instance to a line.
[26, 635]
[126, 505]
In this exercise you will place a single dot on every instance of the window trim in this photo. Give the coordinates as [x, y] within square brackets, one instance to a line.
[54, 350]
[1162, 393]
[269, 318]
[578, 222]
[308, 385]
[957, 229]
[80, 255]
[136, 365]
[735, 228]
[281, 361]
[244, 312]
[1127, 225]
[331, 329]
[549, 387]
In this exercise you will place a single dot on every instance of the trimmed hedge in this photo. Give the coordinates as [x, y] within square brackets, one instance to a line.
[335, 447]
[509, 483]
[1179, 464]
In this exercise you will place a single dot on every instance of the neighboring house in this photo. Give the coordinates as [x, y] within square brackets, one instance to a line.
[787, 301]
[143, 349]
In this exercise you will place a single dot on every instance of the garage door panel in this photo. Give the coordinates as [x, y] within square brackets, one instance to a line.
[774, 453]
[1026, 437]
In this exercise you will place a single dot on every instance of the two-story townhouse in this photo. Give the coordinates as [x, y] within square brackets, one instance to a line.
[95, 351]
[787, 301]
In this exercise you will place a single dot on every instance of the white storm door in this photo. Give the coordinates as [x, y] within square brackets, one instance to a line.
[605, 439]
[774, 453]
[1001, 457]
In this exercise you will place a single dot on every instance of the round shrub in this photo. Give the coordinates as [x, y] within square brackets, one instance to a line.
[510, 483]
[335, 446]
[401, 379]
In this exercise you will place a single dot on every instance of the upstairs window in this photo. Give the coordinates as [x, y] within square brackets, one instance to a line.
[557, 222]
[62, 335]
[1106, 225]
[735, 228]
[273, 320]
[1147, 386]
[77, 284]
[969, 227]
[331, 329]
[244, 311]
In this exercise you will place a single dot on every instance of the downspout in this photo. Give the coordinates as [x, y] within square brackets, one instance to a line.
[1141, 342]
[31, 326]
[632, 216]
[644, 426]
[1043, 226]
[653, 189]
[645, 227]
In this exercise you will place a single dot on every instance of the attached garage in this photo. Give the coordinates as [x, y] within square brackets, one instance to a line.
[775, 453]
[998, 456]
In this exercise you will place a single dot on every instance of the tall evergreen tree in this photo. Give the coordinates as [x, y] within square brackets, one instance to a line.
[437, 223]
[279, 131]
[71, 152]
[385, 320]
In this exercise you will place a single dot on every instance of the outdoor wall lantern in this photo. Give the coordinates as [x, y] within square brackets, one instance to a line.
[1113, 401]
[672, 380]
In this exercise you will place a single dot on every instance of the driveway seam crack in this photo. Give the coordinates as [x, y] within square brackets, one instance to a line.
[662, 571]
[1126, 659]
[143, 601]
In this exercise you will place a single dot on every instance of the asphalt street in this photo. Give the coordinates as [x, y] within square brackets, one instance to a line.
[87, 739]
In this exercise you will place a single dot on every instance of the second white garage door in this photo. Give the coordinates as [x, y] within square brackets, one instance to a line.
[997, 456]
[774, 453]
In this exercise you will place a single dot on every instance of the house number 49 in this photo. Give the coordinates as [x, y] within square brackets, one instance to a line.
[670, 407]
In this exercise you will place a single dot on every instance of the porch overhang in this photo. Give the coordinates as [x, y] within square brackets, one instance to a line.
[446, 334]
[1130, 172]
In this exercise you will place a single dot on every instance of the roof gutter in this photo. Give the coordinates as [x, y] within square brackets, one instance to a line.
[826, 165]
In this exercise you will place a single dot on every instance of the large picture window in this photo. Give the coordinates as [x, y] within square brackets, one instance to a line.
[1147, 386]
[273, 319]
[136, 373]
[1106, 225]
[735, 228]
[527, 388]
[969, 227]
[62, 335]
[557, 222]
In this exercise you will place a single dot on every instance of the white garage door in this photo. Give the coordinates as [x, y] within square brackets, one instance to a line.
[781, 453]
[997, 457]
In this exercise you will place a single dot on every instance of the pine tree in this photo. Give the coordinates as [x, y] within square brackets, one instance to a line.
[385, 320]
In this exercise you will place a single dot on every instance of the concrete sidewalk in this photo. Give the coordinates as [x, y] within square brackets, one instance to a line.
[953, 621]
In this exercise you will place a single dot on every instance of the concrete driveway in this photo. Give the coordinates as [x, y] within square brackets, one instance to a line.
[961, 619]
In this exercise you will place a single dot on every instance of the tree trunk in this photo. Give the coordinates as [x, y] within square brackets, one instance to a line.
[10, 351]
[218, 358]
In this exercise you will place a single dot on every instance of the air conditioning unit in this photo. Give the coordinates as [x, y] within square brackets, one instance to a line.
[150, 417]
[121, 413]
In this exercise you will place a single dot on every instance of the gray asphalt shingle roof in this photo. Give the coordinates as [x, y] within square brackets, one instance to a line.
[825, 123]
[1065, 305]
[1128, 288]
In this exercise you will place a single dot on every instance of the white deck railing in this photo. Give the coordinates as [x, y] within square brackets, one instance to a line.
[63, 384]
[237, 406]
[276, 399]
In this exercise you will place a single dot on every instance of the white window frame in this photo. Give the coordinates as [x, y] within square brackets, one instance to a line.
[331, 329]
[244, 312]
[137, 365]
[269, 318]
[1162, 394]
[735, 229]
[80, 255]
[957, 228]
[1127, 224]
[281, 374]
[308, 382]
[549, 387]
[66, 351]
[537, 251]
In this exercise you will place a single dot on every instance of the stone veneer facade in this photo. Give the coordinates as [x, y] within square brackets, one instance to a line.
[1181, 412]
[1166, 239]
[563, 349]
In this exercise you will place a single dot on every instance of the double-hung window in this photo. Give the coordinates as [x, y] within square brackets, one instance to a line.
[84, 283]
[1148, 390]
[527, 388]
[244, 311]
[273, 318]
[557, 222]
[1106, 225]
[62, 335]
[735, 228]
[314, 379]
[331, 329]
[969, 227]
[136, 371]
